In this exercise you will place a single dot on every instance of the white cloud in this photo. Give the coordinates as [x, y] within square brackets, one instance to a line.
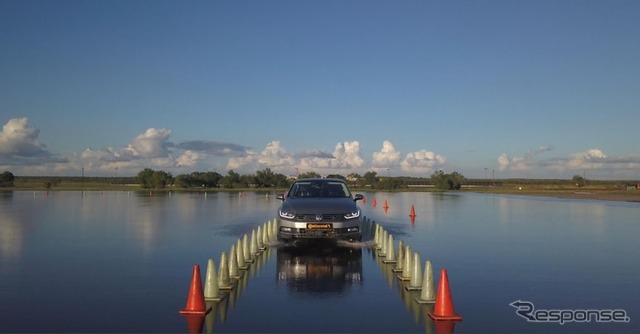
[273, 156]
[239, 162]
[503, 162]
[188, 158]
[105, 155]
[514, 163]
[386, 157]
[346, 156]
[422, 161]
[147, 150]
[593, 158]
[315, 153]
[22, 153]
[153, 143]
[212, 148]
[527, 162]
[539, 150]
[20, 139]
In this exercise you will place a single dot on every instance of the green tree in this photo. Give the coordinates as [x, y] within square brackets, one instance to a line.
[456, 180]
[336, 176]
[309, 175]
[211, 179]
[145, 178]
[578, 180]
[198, 180]
[282, 181]
[183, 181]
[231, 180]
[370, 178]
[160, 179]
[247, 180]
[391, 183]
[6, 179]
[353, 179]
[439, 180]
[265, 178]
[444, 181]
[153, 179]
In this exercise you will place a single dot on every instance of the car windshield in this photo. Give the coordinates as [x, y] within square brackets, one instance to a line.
[319, 189]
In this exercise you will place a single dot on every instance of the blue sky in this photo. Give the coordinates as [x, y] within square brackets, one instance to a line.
[536, 89]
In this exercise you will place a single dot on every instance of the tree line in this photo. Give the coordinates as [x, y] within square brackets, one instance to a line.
[266, 178]
[158, 179]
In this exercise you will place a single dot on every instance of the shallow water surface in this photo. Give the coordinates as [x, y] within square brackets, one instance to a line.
[122, 262]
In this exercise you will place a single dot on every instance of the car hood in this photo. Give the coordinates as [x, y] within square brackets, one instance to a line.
[319, 205]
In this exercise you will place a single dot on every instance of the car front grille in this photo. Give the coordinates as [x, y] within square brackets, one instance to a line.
[325, 217]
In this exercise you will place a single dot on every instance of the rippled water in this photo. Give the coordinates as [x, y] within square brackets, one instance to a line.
[122, 262]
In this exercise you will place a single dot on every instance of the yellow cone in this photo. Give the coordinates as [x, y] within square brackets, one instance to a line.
[253, 244]
[234, 271]
[383, 243]
[246, 251]
[260, 239]
[428, 292]
[400, 260]
[391, 254]
[406, 266]
[416, 273]
[211, 290]
[242, 265]
[224, 280]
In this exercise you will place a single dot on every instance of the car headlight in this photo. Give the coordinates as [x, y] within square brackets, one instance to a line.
[286, 215]
[351, 215]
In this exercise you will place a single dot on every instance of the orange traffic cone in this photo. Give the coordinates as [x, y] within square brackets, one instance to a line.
[443, 309]
[195, 323]
[412, 214]
[445, 326]
[374, 203]
[364, 200]
[386, 205]
[195, 300]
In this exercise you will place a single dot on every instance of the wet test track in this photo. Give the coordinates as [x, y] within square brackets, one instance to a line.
[314, 269]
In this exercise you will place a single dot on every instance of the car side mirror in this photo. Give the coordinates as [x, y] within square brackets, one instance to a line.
[358, 197]
[280, 197]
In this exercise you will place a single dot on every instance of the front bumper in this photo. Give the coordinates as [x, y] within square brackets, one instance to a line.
[333, 230]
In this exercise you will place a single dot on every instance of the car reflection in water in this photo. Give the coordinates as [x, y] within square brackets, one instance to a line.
[319, 268]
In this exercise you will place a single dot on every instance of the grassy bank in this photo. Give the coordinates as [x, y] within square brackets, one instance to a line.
[599, 192]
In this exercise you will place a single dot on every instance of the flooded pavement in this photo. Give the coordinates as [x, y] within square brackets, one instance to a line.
[122, 262]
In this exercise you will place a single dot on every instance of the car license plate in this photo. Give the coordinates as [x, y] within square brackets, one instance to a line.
[319, 226]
